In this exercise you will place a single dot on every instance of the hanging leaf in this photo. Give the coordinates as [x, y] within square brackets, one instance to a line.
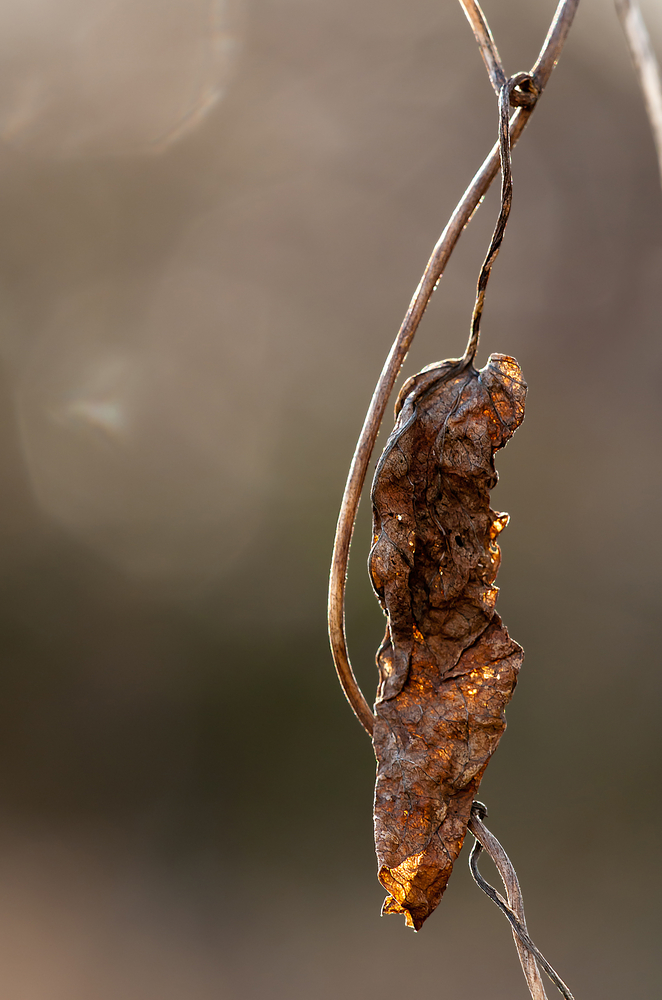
[447, 666]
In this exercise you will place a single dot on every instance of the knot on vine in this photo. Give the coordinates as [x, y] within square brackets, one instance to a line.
[524, 91]
[478, 809]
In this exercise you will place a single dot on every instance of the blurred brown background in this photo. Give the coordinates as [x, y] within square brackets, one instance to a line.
[212, 221]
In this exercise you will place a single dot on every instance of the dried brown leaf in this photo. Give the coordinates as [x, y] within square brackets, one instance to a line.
[447, 667]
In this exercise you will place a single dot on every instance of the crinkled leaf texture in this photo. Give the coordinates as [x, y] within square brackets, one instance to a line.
[447, 666]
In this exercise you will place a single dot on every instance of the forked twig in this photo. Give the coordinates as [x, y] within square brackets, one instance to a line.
[646, 66]
[470, 200]
[529, 956]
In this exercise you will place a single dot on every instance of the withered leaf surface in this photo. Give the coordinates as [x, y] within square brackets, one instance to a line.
[447, 666]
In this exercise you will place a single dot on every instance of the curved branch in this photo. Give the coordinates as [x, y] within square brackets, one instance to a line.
[468, 204]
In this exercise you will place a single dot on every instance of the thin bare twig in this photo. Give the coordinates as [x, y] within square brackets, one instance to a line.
[486, 44]
[509, 878]
[646, 65]
[529, 955]
[470, 200]
[519, 80]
